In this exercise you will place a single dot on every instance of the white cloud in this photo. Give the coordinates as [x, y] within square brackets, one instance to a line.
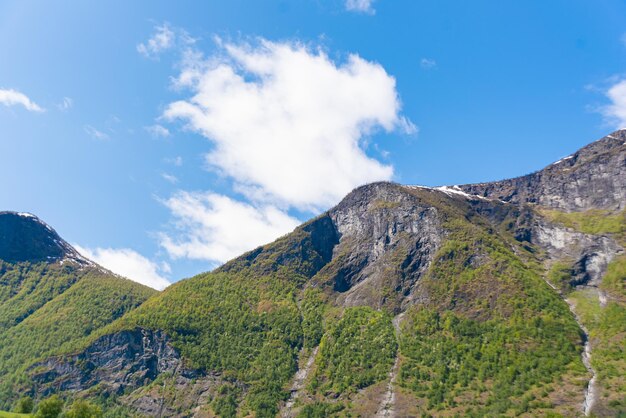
[170, 178]
[95, 133]
[615, 112]
[128, 263]
[65, 104]
[10, 97]
[158, 131]
[217, 228]
[287, 123]
[428, 63]
[162, 39]
[362, 6]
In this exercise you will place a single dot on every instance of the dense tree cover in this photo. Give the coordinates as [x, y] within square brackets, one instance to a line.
[320, 410]
[356, 351]
[93, 300]
[83, 409]
[25, 287]
[449, 357]
[25, 405]
[248, 328]
[50, 408]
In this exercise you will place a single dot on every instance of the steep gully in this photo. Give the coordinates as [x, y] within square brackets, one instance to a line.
[591, 389]
[387, 406]
[298, 385]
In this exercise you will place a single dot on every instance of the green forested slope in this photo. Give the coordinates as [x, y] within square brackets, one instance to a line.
[46, 306]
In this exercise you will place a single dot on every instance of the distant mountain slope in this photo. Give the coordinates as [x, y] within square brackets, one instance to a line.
[499, 299]
[50, 296]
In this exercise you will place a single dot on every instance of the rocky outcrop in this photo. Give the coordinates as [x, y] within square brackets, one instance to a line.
[589, 254]
[127, 362]
[126, 359]
[592, 178]
[388, 238]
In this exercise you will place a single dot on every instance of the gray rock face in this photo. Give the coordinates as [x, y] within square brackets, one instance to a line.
[124, 364]
[388, 238]
[126, 359]
[590, 254]
[592, 178]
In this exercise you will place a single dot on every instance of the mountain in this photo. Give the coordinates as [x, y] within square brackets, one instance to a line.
[493, 299]
[50, 298]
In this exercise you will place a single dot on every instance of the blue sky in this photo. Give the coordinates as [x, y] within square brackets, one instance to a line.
[163, 139]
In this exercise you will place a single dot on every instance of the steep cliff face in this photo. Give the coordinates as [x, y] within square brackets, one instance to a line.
[126, 364]
[592, 178]
[116, 362]
[388, 237]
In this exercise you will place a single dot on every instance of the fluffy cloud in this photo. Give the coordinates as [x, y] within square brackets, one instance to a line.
[287, 123]
[362, 6]
[128, 263]
[217, 228]
[615, 112]
[10, 97]
[162, 39]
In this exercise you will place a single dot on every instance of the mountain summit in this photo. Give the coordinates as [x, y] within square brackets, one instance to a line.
[25, 237]
[494, 299]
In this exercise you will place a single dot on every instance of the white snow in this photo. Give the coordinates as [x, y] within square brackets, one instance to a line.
[453, 191]
[457, 191]
[569, 157]
[26, 215]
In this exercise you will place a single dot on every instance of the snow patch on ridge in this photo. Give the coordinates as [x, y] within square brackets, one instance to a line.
[452, 191]
[569, 157]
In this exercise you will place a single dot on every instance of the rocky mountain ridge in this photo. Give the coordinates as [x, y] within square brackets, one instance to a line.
[399, 301]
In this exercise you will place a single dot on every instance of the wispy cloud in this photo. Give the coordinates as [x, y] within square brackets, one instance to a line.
[615, 112]
[169, 178]
[95, 133]
[164, 38]
[158, 131]
[361, 6]
[175, 161]
[128, 263]
[10, 97]
[428, 63]
[161, 40]
[66, 104]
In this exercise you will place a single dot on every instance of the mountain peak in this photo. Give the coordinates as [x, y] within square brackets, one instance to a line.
[25, 237]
